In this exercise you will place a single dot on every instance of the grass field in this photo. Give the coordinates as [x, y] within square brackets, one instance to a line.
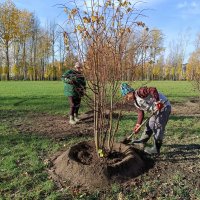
[48, 96]
[23, 154]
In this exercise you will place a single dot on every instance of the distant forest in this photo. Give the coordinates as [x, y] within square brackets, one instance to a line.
[31, 52]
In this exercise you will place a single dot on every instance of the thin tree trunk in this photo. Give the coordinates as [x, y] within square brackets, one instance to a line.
[7, 61]
[24, 61]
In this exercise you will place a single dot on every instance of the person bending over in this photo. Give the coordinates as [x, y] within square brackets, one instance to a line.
[148, 99]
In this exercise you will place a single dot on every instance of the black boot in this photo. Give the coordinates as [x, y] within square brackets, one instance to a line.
[143, 140]
[158, 145]
[155, 149]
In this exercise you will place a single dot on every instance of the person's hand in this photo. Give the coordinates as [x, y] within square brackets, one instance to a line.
[159, 105]
[71, 82]
[136, 128]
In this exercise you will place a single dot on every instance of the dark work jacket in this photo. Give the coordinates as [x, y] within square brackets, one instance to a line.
[74, 83]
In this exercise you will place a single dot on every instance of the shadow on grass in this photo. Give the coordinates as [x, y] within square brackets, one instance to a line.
[20, 102]
[12, 113]
[178, 118]
[15, 139]
[38, 104]
[28, 138]
[129, 117]
[184, 146]
[182, 152]
[133, 116]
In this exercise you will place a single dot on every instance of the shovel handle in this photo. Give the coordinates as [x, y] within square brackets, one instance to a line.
[141, 125]
[154, 113]
[129, 137]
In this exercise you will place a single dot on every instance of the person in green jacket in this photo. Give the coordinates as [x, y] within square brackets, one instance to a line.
[74, 89]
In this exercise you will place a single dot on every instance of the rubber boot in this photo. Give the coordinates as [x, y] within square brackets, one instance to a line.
[76, 119]
[155, 149]
[158, 145]
[143, 140]
[71, 120]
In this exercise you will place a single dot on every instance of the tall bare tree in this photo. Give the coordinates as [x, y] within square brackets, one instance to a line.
[9, 19]
[176, 55]
[155, 48]
[193, 66]
[54, 36]
[25, 28]
[99, 34]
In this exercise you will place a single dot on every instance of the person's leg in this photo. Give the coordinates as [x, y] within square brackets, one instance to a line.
[77, 102]
[72, 110]
[148, 131]
[158, 130]
[146, 134]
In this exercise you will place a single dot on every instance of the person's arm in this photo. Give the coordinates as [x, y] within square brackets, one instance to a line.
[143, 92]
[136, 128]
[140, 114]
[68, 77]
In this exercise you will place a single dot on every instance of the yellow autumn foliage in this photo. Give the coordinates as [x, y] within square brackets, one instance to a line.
[5, 70]
[94, 18]
[80, 28]
[86, 20]
[156, 70]
[15, 70]
[30, 70]
[193, 67]
[74, 11]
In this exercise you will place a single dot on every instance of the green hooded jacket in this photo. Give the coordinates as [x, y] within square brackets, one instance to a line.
[74, 83]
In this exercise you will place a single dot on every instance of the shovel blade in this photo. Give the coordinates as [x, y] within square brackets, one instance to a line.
[137, 141]
[126, 141]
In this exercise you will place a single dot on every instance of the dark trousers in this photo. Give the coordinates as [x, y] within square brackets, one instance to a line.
[74, 105]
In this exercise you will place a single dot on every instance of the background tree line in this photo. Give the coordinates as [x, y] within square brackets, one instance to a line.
[31, 52]
[27, 50]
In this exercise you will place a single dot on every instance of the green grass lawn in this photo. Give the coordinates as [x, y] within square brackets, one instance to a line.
[48, 96]
[174, 90]
[23, 170]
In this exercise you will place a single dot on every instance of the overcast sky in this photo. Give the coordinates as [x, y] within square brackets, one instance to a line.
[173, 17]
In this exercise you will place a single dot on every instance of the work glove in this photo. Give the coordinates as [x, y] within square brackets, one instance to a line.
[159, 105]
[69, 81]
[136, 128]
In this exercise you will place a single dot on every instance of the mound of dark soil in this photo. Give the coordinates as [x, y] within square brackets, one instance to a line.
[80, 166]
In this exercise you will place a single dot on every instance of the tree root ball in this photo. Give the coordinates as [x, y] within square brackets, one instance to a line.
[80, 166]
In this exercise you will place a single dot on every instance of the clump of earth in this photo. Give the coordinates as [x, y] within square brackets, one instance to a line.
[80, 166]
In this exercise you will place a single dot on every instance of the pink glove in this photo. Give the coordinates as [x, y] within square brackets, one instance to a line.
[159, 105]
[136, 128]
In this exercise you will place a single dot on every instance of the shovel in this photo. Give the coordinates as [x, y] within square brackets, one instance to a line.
[127, 140]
